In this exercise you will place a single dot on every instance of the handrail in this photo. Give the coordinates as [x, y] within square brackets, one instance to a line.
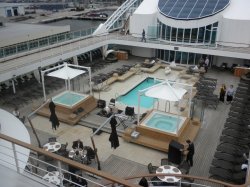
[70, 162]
[127, 181]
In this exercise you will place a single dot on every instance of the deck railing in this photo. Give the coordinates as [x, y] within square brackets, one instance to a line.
[36, 169]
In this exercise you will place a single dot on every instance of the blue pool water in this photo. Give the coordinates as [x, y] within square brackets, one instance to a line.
[68, 98]
[164, 122]
[131, 98]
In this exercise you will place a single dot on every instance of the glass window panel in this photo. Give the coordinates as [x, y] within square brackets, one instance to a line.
[186, 35]
[173, 34]
[191, 59]
[1, 53]
[22, 47]
[166, 57]
[33, 44]
[171, 56]
[10, 50]
[194, 35]
[43, 42]
[213, 37]
[178, 57]
[215, 24]
[163, 33]
[184, 58]
[187, 9]
[208, 33]
[201, 34]
[168, 31]
[52, 39]
[61, 37]
[197, 58]
[180, 35]
[162, 54]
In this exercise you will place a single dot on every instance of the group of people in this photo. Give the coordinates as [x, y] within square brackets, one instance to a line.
[228, 92]
[204, 63]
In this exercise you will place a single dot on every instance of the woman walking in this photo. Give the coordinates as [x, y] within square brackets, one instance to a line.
[223, 90]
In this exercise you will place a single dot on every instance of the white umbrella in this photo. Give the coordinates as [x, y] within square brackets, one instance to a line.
[66, 73]
[166, 92]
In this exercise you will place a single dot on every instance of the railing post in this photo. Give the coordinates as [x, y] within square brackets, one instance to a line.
[15, 157]
[60, 173]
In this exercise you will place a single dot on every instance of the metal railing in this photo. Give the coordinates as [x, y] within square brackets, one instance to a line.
[38, 169]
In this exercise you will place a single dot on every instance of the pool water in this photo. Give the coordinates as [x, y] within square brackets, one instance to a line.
[131, 97]
[68, 98]
[164, 122]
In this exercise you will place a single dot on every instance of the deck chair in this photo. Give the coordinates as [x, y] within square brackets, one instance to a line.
[130, 112]
[164, 161]
[52, 139]
[112, 103]
[151, 168]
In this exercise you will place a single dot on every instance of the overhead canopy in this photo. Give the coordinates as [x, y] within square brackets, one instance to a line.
[66, 73]
[166, 92]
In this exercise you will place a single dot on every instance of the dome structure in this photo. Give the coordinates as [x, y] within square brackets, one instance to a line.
[191, 9]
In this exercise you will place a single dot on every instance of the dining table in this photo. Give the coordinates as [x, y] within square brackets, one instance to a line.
[168, 169]
[52, 146]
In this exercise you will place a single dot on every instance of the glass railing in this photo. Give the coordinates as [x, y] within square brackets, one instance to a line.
[45, 42]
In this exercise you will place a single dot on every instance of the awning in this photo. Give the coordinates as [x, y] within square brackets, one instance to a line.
[166, 92]
[108, 52]
[66, 73]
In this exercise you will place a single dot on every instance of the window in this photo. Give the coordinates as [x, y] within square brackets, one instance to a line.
[173, 34]
[194, 35]
[180, 35]
[187, 35]
[22, 47]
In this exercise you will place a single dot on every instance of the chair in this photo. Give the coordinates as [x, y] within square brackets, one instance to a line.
[164, 161]
[112, 102]
[63, 150]
[184, 167]
[151, 168]
[90, 154]
[52, 139]
[130, 111]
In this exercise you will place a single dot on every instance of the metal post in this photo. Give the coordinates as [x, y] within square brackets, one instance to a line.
[33, 129]
[60, 173]
[97, 158]
[138, 109]
[90, 85]
[15, 157]
[13, 86]
[44, 93]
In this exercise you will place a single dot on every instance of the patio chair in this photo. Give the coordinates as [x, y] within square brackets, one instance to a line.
[164, 161]
[151, 168]
[112, 103]
[184, 167]
[130, 112]
[52, 139]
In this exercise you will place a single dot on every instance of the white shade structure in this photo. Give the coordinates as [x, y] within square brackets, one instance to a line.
[166, 92]
[67, 73]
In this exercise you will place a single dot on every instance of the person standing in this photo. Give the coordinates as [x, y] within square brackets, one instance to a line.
[190, 154]
[206, 64]
[223, 90]
[143, 36]
[230, 94]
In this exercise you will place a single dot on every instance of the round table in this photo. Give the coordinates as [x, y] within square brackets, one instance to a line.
[53, 177]
[52, 146]
[167, 169]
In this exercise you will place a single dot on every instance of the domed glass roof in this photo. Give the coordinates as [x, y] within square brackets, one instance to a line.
[191, 9]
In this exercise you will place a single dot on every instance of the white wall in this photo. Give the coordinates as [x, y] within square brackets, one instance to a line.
[234, 33]
[143, 52]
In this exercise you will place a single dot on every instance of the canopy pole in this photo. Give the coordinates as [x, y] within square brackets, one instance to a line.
[44, 93]
[190, 101]
[90, 85]
[68, 84]
[138, 109]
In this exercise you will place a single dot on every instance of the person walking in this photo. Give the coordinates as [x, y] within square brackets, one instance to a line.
[190, 154]
[223, 90]
[230, 94]
[143, 36]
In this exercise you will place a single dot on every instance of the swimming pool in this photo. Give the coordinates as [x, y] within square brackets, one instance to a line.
[131, 97]
[68, 98]
[165, 122]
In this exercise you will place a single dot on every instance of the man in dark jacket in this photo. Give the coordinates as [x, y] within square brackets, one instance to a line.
[190, 154]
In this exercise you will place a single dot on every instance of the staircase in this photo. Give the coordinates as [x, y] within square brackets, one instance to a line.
[104, 28]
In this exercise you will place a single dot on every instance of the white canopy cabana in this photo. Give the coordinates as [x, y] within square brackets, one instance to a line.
[167, 90]
[67, 73]
[108, 52]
